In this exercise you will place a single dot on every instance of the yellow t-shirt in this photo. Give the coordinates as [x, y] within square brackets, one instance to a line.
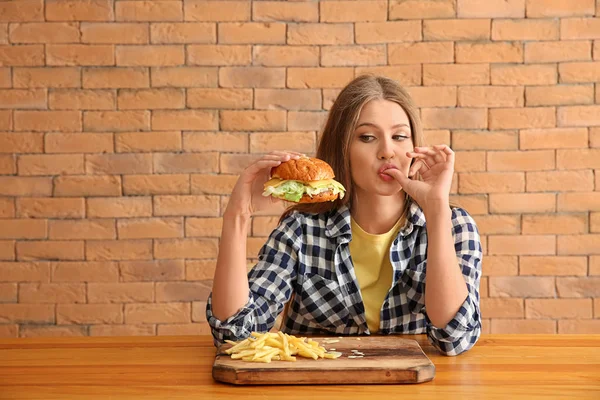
[371, 258]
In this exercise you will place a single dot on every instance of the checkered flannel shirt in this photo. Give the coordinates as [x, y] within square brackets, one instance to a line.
[307, 259]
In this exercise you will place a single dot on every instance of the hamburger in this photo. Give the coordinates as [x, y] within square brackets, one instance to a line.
[305, 180]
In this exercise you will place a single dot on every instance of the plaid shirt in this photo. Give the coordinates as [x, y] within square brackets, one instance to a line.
[307, 258]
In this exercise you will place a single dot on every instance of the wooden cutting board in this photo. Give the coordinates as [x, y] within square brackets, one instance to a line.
[387, 359]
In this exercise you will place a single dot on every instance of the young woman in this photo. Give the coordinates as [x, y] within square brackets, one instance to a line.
[392, 257]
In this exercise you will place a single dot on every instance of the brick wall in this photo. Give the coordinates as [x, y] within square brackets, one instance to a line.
[123, 125]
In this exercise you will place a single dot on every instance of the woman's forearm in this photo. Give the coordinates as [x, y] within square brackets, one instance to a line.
[230, 284]
[445, 287]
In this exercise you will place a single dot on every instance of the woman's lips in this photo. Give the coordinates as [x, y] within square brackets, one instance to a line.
[383, 175]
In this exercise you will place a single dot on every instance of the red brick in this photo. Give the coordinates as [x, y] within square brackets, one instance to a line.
[491, 96]
[537, 74]
[116, 164]
[558, 308]
[184, 120]
[119, 207]
[156, 184]
[203, 206]
[24, 10]
[252, 33]
[454, 118]
[110, 78]
[118, 250]
[491, 182]
[522, 245]
[79, 142]
[470, 161]
[362, 55]
[151, 271]
[320, 34]
[553, 138]
[565, 181]
[48, 77]
[184, 77]
[456, 74]
[120, 292]
[182, 291]
[82, 100]
[594, 137]
[578, 287]
[25, 186]
[157, 313]
[595, 222]
[213, 184]
[23, 229]
[82, 229]
[525, 29]
[52, 293]
[114, 33]
[580, 28]
[522, 202]
[594, 267]
[281, 56]
[185, 162]
[514, 118]
[579, 244]
[404, 74]
[522, 286]
[553, 265]
[50, 250]
[502, 308]
[506, 52]
[306, 121]
[543, 52]
[286, 99]
[188, 32]
[23, 98]
[421, 9]
[150, 228]
[440, 136]
[388, 32]
[6, 120]
[150, 56]
[285, 11]
[495, 224]
[253, 120]
[559, 95]
[474, 204]
[577, 158]
[151, 99]
[68, 186]
[37, 271]
[456, 29]
[578, 326]
[7, 250]
[579, 201]
[8, 165]
[123, 330]
[523, 326]
[304, 142]
[557, 8]
[21, 142]
[219, 55]
[89, 314]
[433, 96]
[319, 77]
[579, 115]
[147, 141]
[75, 10]
[8, 292]
[44, 121]
[40, 32]
[255, 77]
[200, 269]
[185, 248]
[203, 227]
[221, 98]
[101, 121]
[6, 77]
[579, 72]
[501, 265]
[50, 164]
[215, 141]
[533, 160]
[420, 52]
[22, 56]
[148, 11]
[491, 8]
[28, 313]
[80, 54]
[184, 329]
[217, 11]
[354, 11]
[54, 207]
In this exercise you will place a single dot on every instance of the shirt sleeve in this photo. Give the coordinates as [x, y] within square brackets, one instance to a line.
[270, 282]
[463, 331]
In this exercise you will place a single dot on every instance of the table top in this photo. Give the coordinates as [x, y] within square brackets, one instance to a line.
[179, 367]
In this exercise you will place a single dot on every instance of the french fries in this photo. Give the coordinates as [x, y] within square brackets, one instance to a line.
[267, 347]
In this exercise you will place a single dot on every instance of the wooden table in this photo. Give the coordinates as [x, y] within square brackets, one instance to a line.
[498, 367]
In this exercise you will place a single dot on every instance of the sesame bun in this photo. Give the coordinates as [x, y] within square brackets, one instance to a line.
[304, 169]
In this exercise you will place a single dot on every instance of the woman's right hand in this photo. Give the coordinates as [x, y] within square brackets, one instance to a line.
[246, 197]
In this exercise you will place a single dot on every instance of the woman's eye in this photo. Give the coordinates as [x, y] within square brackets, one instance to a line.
[367, 138]
[400, 137]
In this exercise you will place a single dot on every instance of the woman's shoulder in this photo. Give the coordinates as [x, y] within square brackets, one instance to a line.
[462, 218]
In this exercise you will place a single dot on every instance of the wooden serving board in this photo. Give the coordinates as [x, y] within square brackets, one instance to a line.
[387, 359]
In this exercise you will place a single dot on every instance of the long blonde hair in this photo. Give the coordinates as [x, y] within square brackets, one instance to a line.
[334, 146]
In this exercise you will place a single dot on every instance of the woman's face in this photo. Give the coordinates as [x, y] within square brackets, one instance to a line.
[380, 141]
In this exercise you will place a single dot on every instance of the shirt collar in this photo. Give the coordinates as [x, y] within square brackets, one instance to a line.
[338, 222]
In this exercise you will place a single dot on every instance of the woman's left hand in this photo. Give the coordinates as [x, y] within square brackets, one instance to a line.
[436, 166]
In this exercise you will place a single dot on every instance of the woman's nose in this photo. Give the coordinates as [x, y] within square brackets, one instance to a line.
[385, 151]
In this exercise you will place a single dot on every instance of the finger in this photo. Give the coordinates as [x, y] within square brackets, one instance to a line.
[427, 160]
[398, 175]
[450, 156]
[435, 153]
[290, 153]
[263, 164]
[417, 166]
